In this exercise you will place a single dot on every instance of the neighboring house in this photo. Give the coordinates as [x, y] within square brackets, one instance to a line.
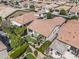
[5, 10]
[24, 19]
[16, 14]
[48, 28]
[69, 33]
[59, 8]
[3, 51]
[74, 10]
[65, 7]
[67, 43]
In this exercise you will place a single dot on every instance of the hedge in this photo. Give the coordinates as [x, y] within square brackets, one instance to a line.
[74, 17]
[18, 51]
[44, 46]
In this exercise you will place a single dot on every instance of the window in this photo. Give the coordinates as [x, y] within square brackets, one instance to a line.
[30, 30]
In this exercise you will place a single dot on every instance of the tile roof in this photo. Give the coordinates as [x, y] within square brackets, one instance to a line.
[6, 10]
[60, 2]
[23, 19]
[63, 7]
[75, 8]
[69, 33]
[45, 27]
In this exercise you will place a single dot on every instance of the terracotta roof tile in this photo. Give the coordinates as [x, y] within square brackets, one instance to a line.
[69, 33]
[27, 17]
[45, 27]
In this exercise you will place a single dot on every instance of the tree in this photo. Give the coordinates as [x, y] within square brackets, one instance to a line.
[19, 30]
[32, 7]
[18, 51]
[63, 12]
[49, 15]
[51, 10]
[15, 35]
[36, 53]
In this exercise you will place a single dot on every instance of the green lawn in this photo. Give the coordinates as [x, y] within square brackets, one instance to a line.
[30, 56]
[44, 46]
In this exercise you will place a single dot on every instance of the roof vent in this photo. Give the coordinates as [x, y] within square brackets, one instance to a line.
[73, 36]
[74, 32]
[69, 32]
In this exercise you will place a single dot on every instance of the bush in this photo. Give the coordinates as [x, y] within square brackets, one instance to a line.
[74, 17]
[18, 51]
[67, 17]
[48, 57]
[63, 12]
[50, 10]
[30, 39]
[44, 46]
[30, 56]
[32, 7]
[49, 15]
[36, 53]
[29, 50]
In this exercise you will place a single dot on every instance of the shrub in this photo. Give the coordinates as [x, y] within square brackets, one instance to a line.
[49, 15]
[63, 12]
[30, 56]
[36, 53]
[44, 46]
[32, 7]
[74, 17]
[50, 10]
[18, 51]
[29, 50]
[48, 57]
[67, 17]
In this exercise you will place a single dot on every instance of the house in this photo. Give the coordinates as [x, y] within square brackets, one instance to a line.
[23, 19]
[48, 28]
[5, 10]
[59, 8]
[74, 10]
[66, 45]
[3, 51]
[69, 33]
[63, 7]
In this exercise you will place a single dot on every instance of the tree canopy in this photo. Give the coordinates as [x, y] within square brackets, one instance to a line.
[63, 12]
[14, 34]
